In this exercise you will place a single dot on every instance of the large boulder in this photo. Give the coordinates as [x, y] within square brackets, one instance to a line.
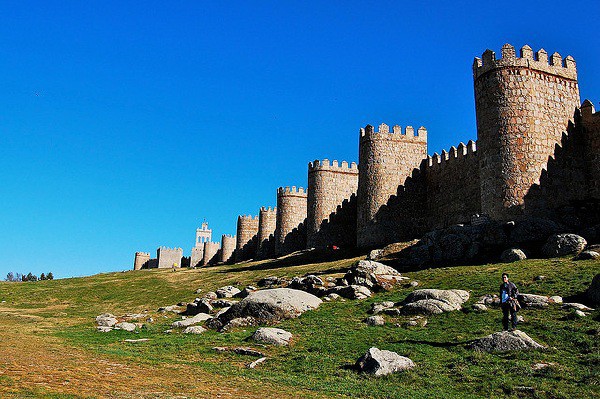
[106, 320]
[373, 275]
[382, 362]
[270, 335]
[593, 292]
[505, 341]
[533, 301]
[350, 291]
[533, 231]
[432, 301]
[563, 244]
[512, 255]
[269, 306]
[227, 292]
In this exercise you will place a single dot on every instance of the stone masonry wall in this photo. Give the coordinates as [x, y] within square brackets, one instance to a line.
[211, 250]
[247, 239]
[228, 245]
[329, 184]
[386, 159]
[141, 260]
[590, 120]
[291, 215]
[267, 222]
[169, 257]
[339, 228]
[197, 256]
[453, 186]
[523, 105]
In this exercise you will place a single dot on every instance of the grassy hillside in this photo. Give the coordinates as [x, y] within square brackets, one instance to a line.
[51, 349]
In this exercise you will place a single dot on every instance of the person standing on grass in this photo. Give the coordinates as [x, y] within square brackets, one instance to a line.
[509, 303]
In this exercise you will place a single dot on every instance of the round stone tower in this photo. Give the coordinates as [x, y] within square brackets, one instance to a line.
[211, 250]
[290, 234]
[523, 105]
[329, 184]
[267, 221]
[141, 259]
[247, 230]
[228, 244]
[385, 160]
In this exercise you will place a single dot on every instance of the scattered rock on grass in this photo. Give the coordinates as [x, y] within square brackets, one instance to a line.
[106, 320]
[227, 292]
[505, 341]
[274, 336]
[375, 321]
[199, 318]
[194, 330]
[382, 362]
[125, 326]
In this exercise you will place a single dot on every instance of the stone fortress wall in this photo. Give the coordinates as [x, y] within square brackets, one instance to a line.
[329, 184]
[537, 154]
[169, 257]
[267, 222]
[290, 233]
[228, 245]
[247, 237]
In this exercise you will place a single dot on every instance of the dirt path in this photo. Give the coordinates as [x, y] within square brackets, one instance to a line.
[34, 362]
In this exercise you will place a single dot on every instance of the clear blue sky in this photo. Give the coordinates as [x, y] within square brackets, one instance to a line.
[124, 124]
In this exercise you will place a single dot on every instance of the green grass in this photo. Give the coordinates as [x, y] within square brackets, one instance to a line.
[328, 341]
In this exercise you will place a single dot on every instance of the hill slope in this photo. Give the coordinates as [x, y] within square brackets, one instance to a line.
[50, 347]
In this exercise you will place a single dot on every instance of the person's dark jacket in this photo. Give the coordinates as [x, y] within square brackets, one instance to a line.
[512, 290]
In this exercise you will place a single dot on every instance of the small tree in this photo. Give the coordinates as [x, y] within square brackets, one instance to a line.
[10, 276]
[31, 277]
[23, 277]
[50, 276]
[42, 276]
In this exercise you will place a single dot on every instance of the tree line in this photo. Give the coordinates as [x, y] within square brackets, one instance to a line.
[16, 277]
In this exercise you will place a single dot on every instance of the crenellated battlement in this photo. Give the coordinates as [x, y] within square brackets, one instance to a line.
[462, 151]
[227, 236]
[588, 111]
[162, 248]
[333, 166]
[554, 65]
[142, 254]
[268, 209]
[248, 218]
[291, 190]
[396, 133]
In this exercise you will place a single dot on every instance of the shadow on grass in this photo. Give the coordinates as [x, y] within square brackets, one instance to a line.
[299, 259]
[433, 343]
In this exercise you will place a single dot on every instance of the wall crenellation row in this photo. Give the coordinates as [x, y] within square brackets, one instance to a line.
[408, 134]
[334, 165]
[554, 64]
[291, 190]
[459, 152]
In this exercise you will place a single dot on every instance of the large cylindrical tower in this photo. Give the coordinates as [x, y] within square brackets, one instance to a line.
[141, 260]
[210, 252]
[329, 184]
[247, 237]
[523, 105]
[385, 160]
[290, 232]
[267, 221]
[228, 244]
